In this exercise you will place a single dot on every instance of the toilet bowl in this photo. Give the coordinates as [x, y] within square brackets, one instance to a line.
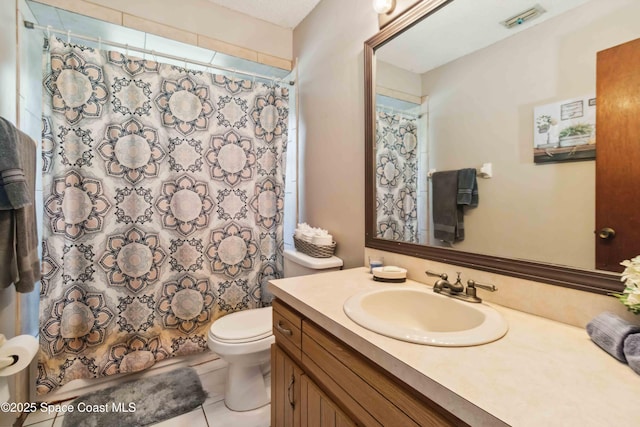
[243, 339]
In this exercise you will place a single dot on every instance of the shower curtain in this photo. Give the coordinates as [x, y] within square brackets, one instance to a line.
[163, 198]
[396, 177]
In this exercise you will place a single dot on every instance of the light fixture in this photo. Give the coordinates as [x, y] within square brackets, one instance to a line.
[383, 6]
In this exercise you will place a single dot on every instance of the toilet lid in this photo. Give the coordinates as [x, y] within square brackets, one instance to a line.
[243, 326]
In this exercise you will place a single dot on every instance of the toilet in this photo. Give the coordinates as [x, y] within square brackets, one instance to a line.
[243, 339]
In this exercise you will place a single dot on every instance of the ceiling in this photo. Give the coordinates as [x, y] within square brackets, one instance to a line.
[461, 28]
[285, 13]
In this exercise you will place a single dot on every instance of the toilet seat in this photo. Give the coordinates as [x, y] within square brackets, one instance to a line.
[243, 326]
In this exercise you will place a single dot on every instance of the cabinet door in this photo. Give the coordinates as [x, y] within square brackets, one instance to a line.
[317, 409]
[285, 389]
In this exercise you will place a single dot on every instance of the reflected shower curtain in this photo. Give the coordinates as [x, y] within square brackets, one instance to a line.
[163, 197]
[396, 177]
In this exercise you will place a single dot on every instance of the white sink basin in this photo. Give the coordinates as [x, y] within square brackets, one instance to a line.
[424, 317]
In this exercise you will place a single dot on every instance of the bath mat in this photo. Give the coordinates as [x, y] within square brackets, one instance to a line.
[139, 402]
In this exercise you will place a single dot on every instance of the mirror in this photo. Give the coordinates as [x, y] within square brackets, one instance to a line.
[448, 87]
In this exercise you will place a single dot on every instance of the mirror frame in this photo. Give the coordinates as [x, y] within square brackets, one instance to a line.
[586, 280]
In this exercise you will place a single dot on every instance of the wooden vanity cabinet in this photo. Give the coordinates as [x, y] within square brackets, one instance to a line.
[285, 389]
[319, 410]
[317, 380]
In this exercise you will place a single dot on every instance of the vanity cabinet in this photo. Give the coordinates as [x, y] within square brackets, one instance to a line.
[319, 410]
[317, 380]
[285, 389]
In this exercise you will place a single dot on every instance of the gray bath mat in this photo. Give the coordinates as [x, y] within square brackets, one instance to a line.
[139, 402]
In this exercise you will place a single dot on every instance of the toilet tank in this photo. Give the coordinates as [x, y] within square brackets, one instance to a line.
[299, 264]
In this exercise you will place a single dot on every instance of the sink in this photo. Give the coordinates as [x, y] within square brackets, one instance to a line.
[424, 317]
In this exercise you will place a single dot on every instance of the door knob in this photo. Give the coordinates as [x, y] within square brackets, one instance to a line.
[607, 233]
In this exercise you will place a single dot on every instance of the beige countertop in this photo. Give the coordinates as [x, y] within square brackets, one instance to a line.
[541, 373]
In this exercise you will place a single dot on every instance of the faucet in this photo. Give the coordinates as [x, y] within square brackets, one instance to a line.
[471, 290]
[457, 289]
[443, 284]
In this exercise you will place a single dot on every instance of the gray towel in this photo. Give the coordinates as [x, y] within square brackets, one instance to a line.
[632, 352]
[447, 214]
[19, 261]
[467, 187]
[609, 332]
[14, 192]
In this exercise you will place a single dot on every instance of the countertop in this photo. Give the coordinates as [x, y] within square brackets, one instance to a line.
[541, 373]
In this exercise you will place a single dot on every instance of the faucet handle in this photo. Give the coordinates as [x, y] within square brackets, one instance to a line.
[443, 276]
[474, 284]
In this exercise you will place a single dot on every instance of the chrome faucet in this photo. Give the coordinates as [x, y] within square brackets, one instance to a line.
[457, 289]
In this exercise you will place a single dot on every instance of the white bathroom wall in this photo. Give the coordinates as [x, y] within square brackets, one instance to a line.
[291, 179]
[329, 46]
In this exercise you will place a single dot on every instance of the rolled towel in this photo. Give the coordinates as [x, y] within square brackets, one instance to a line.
[609, 332]
[632, 352]
[322, 240]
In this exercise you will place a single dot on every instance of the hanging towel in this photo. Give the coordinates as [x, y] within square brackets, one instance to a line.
[14, 192]
[609, 332]
[632, 352]
[467, 187]
[447, 214]
[19, 261]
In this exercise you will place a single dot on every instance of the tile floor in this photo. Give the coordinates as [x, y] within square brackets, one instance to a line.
[212, 413]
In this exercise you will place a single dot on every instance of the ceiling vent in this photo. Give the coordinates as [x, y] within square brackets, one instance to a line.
[523, 17]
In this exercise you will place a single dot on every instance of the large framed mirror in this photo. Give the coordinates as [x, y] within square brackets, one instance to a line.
[507, 90]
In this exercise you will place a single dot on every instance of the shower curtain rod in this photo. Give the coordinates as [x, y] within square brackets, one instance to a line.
[49, 29]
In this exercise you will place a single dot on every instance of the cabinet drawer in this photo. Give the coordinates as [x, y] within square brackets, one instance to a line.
[287, 329]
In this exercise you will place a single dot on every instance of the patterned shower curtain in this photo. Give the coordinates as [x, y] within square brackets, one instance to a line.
[163, 198]
[396, 177]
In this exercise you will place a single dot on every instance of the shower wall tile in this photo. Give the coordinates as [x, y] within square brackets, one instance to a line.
[88, 9]
[159, 29]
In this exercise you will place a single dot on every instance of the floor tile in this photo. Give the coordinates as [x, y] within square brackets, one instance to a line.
[219, 415]
[39, 416]
[45, 423]
[194, 418]
[59, 420]
[213, 383]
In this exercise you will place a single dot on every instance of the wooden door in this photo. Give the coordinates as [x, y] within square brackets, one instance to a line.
[285, 389]
[318, 410]
[618, 155]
